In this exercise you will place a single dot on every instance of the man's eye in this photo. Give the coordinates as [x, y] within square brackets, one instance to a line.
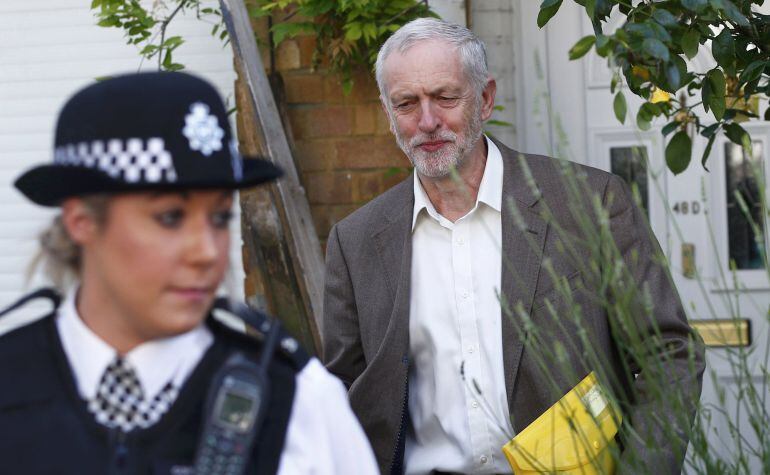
[221, 219]
[171, 218]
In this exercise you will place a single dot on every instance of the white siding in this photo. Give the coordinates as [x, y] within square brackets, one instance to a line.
[49, 49]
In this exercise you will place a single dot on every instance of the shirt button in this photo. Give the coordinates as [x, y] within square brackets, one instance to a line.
[460, 241]
[470, 349]
[475, 405]
[483, 459]
[465, 294]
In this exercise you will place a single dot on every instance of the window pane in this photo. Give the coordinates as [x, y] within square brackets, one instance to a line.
[630, 163]
[743, 175]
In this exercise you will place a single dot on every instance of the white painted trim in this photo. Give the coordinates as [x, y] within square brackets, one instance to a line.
[747, 280]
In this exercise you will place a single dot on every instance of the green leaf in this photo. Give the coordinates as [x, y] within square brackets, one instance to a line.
[173, 42]
[731, 11]
[547, 10]
[752, 72]
[679, 152]
[723, 48]
[581, 47]
[499, 123]
[656, 49]
[738, 135]
[370, 30]
[591, 8]
[614, 81]
[347, 86]
[660, 32]
[711, 130]
[354, 31]
[643, 120]
[690, 43]
[706, 94]
[673, 77]
[694, 5]
[716, 99]
[664, 17]
[707, 152]
[670, 127]
[603, 45]
[619, 106]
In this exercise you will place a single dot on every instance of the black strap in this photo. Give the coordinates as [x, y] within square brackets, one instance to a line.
[45, 292]
[263, 325]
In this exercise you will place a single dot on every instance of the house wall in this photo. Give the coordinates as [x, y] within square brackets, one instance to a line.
[48, 50]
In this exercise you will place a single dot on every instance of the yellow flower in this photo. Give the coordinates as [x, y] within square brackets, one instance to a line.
[659, 95]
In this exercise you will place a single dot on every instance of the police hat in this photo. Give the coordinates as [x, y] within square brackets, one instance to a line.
[148, 131]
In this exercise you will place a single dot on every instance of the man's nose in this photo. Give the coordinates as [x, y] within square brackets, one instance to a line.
[429, 119]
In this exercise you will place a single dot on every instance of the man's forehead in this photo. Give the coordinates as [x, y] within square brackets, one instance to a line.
[430, 62]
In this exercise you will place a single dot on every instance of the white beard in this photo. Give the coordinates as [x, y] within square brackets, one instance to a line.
[450, 157]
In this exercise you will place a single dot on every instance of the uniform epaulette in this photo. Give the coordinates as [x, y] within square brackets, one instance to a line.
[256, 325]
[45, 292]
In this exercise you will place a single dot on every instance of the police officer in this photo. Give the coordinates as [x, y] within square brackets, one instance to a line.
[134, 371]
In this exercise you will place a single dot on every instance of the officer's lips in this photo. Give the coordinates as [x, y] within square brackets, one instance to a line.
[195, 294]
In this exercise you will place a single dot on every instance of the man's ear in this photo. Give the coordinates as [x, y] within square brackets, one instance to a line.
[78, 220]
[386, 111]
[488, 99]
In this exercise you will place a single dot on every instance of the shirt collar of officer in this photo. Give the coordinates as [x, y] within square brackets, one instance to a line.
[490, 188]
[156, 362]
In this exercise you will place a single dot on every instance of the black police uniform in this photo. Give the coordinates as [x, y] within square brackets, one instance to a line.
[46, 427]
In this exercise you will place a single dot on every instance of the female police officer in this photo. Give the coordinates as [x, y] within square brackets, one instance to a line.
[132, 373]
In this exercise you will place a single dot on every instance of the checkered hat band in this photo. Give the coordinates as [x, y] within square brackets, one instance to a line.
[129, 160]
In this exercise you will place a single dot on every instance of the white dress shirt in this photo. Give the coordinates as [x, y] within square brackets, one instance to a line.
[323, 436]
[454, 323]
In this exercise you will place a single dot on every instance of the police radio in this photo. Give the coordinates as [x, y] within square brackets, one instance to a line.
[235, 409]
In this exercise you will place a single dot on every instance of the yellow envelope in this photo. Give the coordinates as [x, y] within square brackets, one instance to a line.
[575, 435]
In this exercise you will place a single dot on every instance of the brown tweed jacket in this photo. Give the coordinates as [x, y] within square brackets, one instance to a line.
[365, 326]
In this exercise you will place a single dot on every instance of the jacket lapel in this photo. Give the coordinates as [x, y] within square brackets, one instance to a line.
[393, 242]
[523, 236]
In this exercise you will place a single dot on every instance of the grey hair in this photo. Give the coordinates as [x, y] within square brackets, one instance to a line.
[59, 256]
[473, 54]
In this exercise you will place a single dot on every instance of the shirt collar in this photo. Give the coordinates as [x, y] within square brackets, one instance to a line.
[156, 362]
[490, 188]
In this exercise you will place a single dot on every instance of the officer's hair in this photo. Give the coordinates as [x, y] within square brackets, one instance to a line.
[59, 257]
[473, 55]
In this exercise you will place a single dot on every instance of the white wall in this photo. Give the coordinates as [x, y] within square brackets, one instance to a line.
[48, 50]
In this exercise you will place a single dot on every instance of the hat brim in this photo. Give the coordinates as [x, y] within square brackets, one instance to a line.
[49, 185]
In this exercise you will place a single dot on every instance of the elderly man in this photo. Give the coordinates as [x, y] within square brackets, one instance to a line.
[441, 292]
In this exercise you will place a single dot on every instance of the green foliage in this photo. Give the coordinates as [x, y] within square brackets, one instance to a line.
[147, 28]
[649, 50]
[348, 33]
[619, 106]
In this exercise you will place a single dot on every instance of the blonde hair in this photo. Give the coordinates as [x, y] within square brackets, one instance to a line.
[59, 256]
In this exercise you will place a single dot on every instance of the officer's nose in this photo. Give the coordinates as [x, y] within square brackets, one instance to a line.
[202, 248]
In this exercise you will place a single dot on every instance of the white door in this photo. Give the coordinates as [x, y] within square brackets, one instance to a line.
[695, 215]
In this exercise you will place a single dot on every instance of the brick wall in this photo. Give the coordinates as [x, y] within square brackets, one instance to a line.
[344, 151]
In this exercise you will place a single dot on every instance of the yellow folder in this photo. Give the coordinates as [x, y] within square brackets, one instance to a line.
[574, 436]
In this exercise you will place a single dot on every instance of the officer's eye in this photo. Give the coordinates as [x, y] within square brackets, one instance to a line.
[171, 218]
[221, 219]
